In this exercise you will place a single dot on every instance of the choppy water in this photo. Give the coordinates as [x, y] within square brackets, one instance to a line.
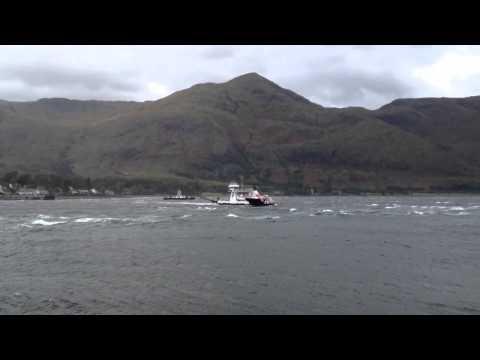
[310, 255]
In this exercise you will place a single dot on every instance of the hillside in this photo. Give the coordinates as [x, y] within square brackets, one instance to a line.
[249, 127]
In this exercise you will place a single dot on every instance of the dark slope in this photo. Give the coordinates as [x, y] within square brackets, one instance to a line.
[37, 136]
[250, 127]
[451, 124]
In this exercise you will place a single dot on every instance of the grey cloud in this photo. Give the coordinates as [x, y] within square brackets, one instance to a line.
[362, 75]
[327, 62]
[219, 52]
[347, 87]
[62, 78]
[472, 83]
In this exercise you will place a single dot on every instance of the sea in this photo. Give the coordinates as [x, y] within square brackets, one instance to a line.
[417, 254]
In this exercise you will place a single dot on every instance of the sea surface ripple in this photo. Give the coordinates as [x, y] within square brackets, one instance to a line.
[308, 255]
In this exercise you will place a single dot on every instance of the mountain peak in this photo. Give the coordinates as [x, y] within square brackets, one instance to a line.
[258, 84]
[250, 75]
[250, 78]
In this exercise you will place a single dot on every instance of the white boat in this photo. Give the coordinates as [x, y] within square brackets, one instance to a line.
[234, 198]
[179, 196]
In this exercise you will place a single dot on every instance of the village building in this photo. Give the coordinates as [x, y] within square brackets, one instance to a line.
[32, 193]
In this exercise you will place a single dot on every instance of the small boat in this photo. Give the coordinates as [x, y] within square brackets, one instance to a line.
[179, 196]
[235, 198]
[255, 198]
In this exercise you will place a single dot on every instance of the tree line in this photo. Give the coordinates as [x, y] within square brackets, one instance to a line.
[131, 186]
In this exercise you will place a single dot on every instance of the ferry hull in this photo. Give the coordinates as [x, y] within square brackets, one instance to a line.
[259, 202]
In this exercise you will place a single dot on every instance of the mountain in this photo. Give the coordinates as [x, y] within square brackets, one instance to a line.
[252, 128]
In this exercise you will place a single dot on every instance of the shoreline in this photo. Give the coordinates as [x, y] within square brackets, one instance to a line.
[198, 198]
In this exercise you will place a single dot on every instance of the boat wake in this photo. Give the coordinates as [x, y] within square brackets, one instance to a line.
[186, 203]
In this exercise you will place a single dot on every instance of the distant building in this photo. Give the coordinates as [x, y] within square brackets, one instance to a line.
[72, 191]
[28, 193]
[82, 192]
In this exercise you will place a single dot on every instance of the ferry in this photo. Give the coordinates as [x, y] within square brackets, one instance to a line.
[255, 198]
[179, 196]
[235, 197]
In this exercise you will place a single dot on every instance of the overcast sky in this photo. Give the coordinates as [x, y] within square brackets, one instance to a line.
[368, 76]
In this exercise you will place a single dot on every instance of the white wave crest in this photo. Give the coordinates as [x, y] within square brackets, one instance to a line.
[209, 208]
[47, 223]
[473, 207]
[92, 220]
[267, 217]
[461, 213]
[391, 207]
[325, 212]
